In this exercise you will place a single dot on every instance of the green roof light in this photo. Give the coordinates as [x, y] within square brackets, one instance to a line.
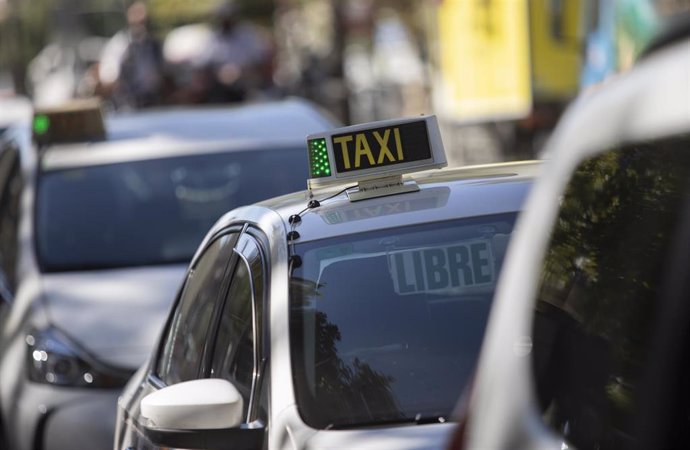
[319, 165]
[41, 124]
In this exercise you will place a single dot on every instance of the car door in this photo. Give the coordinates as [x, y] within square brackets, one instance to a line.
[184, 342]
[217, 331]
[240, 352]
[602, 290]
[664, 402]
[608, 340]
[576, 335]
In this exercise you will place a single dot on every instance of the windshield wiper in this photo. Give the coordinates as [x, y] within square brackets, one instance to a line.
[418, 419]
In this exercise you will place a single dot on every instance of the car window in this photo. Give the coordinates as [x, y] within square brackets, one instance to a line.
[186, 337]
[153, 211]
[234, 353]
[386, 325]
[599, 291]
[11, 184]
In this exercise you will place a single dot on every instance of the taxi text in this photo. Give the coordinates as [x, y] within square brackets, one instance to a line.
[360, 147]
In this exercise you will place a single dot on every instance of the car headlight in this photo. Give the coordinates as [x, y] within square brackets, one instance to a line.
[54, 358]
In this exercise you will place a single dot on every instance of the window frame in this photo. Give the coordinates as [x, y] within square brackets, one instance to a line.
[154, 373]
[262, 374]
[260, 322]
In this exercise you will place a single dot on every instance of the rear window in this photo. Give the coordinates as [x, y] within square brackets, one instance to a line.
[155, 211]
[386, 325]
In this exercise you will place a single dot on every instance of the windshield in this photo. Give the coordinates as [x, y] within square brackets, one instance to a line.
[386, 325]
[155, 211]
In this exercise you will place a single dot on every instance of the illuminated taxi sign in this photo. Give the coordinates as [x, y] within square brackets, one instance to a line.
[375, 150]
[319, 164]
[77, 121]
[41, 124]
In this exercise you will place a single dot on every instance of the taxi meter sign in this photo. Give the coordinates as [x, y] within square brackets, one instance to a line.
[381, 147]
[76, 121]
[454, 268]
[375, 150]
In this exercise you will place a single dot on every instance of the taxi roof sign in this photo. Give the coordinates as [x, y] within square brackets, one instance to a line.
[375, 150]
[77, 121]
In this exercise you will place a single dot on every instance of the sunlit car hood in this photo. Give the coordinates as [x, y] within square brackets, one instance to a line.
[404, 437]
[115, 314]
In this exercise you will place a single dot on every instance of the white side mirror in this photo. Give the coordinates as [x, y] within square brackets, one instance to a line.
[209, 403]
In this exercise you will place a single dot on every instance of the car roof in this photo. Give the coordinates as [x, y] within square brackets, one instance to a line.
[153, 147]
[445, 194]
[288, 119]
[177, 132]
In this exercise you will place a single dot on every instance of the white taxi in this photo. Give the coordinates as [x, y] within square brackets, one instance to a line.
[587, 344]
[349, 315]
[99, 218]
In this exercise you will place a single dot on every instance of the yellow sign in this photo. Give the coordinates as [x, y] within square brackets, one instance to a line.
[484, 59]
[556, 36]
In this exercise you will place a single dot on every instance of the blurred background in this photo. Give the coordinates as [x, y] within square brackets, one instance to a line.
[498, 73]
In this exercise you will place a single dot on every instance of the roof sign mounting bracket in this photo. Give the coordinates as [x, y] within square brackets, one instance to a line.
[381, 187]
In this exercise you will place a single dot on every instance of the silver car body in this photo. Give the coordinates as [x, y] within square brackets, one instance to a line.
[651, 101]
[444, 195]
[114, 315]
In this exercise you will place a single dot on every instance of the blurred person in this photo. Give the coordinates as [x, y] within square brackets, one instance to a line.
[184, 53]
[52, 74]
[238, 61]
[397, 67]
[131, 68]
[308, 59]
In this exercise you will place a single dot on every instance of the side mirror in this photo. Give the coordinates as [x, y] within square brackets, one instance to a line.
[199, 414]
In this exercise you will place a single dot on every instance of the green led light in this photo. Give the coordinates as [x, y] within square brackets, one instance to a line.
[41, 124]
[319, 165]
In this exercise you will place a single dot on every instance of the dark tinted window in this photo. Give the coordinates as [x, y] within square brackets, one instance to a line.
[600, 281]
[152, 212]
[11, 184]
[233, 357]
[187, 335]
[386, 325]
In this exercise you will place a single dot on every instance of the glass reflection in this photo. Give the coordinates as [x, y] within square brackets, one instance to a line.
[600, 281]
[386, 325]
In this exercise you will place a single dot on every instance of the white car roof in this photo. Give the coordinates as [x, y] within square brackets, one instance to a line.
[185, 131]
[445, 194]
[290, 119]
